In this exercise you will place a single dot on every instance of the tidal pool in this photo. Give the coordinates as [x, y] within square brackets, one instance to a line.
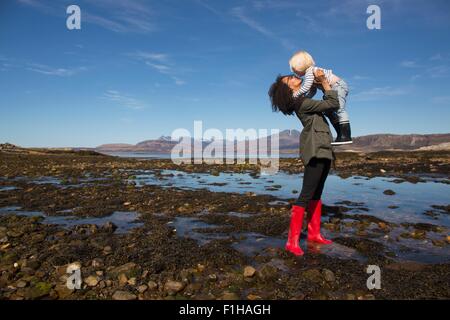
[408, 204]
[124, 221]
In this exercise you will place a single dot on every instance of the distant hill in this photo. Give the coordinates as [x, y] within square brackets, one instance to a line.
[289, 141]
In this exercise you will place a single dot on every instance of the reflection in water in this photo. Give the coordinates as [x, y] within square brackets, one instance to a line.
[411, 200]
[124, 221]
[251, 243]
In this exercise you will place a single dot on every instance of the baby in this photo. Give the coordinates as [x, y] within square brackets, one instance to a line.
[303, 65]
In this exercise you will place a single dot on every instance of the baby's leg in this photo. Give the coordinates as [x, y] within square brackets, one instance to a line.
[342, 91]
[334, 119]
[344, 132]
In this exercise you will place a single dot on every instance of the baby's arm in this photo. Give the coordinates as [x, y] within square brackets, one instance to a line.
[307, 84]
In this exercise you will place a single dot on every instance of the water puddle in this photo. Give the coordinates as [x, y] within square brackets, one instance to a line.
[124, 221]
[8, 188]
[251, 243]
[409, 203]
[59, 182]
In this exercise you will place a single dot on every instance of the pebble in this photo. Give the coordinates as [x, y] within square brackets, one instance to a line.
[91, 281]
[249, 271]
[107, 250]
[253, 297]
[21, 284]
[142, 288]
[97, 262]
[328, 275]
[123, 280]
[123, 295]
[200, 267]
[152, 285]
[173, 287]
[227, 295]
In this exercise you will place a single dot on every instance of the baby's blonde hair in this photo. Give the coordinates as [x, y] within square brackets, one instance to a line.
[301, 61]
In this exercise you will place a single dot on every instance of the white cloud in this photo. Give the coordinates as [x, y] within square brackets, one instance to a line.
[159, 62]
[359, 77]
[124, 100]
[409, 64]
[379, 93]
[239, 12]
[116, 15]
[51, 71]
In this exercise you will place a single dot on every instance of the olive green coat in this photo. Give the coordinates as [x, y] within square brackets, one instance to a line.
[316, 138]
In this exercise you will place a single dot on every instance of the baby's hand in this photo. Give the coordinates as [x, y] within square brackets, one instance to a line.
[319, 75]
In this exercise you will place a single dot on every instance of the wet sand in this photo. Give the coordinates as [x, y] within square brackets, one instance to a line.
[156, 239]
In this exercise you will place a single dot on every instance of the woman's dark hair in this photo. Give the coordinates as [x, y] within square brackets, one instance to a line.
[281, 97]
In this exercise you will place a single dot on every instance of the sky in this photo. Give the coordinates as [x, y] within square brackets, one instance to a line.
[138, 70]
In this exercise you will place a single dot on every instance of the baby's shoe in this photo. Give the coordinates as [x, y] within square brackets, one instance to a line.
[344, 135]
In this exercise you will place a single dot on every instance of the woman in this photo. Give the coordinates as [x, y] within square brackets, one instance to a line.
[315, 148]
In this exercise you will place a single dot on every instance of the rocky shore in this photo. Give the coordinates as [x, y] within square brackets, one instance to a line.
[198, 244]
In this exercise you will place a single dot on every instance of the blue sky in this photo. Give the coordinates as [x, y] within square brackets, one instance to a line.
[141, 69]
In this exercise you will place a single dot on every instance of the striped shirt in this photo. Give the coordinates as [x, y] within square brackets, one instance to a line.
[309, 80]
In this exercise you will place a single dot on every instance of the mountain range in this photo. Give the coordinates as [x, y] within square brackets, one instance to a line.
[289, 142]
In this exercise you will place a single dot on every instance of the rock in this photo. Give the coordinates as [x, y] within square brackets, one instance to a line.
[109, 227]
[152, 285]
[186, 276]
[382, 171]
[249, 271]
[267, 272]
[62, 291]
[173, 287]
[253, 297]
[39, 290]
[350, 296]
[132, 281]
[123, 280]
[91, 281]
[97, 263]
[21, 284]
[439, 243]
[123, 295]
[129, 269]
[192, 288]
[107, 250]
[212, 277]
[228, 295]
[142, 288]
[328, 275]
[389, 192]
[313, 275]
[200, 267]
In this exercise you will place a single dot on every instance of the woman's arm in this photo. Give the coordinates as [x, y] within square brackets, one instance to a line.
[330, 99]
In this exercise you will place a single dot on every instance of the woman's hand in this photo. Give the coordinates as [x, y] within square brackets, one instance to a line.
[319, 76]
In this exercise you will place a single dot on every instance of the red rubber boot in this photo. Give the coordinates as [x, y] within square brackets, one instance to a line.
[315, 213]
[292, 245]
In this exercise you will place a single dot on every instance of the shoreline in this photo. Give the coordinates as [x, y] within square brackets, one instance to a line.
[167, 257]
